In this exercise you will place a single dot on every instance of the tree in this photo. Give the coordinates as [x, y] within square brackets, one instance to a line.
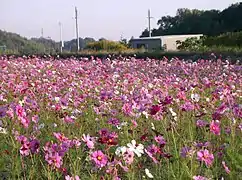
[210, 22]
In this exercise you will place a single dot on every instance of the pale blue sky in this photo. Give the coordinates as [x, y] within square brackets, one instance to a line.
[97, 18]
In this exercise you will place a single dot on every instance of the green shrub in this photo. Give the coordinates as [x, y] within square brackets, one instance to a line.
[106, 45]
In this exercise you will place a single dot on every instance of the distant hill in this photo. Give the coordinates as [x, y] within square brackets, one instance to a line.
[14, 43]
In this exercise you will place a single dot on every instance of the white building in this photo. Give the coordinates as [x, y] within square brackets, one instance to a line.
[159, 42]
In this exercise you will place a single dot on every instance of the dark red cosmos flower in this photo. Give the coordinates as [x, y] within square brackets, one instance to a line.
[63, 170]
[103, 132]
[111, 141]
[144, 137]
[167, 100]
[154, 109]
[216, 116]
[167, 155]
[107, 138]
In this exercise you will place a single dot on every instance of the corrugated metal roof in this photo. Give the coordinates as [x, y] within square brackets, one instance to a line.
[168, 36]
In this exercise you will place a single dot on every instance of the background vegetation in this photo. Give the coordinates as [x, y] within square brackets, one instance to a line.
[222, 34]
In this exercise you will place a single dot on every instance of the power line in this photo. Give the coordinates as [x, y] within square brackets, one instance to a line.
[77, 34]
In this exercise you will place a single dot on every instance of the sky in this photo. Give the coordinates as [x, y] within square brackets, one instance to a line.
[109, 19]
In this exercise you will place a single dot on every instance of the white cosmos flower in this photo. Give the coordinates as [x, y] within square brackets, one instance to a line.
[195, 97]
[3, 130]
[137, 149]
[152, 126]
[150, 85]
[172, 112]
[146, 114]
[116, 92]
[57, 99]
[41, 126]
[21, 102]
[120, 150]
[147, 172]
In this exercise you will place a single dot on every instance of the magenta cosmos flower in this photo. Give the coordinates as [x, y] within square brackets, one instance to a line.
[204, 155]
[215, 127]
[99, 158]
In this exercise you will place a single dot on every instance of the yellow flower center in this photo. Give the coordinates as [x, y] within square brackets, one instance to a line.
[99, 158]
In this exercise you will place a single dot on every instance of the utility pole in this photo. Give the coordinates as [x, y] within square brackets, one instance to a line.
[61, 42]
[77, 34]
[149, 18]
[42, 32]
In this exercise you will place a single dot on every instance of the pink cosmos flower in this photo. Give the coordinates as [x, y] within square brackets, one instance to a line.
[215, 127]
[204, 155]
[114, 121]
[128, 156]
[68, 119]
[240, 126]
[181, 95]
[153, 149]
[225, 167]
[134, 123]
[160, 140]
[10, 112]
[188, 106]
[20, 111]
[201, 123]
[90, 141]
[25, 149]
[186, 152]
[150, 154]
[238, 110]
[127, 109]
[53, 158]
[199, 178]
[60, 137]
[35, 119]
[99, 158]
[76, 143]
[25, 121]
[54, 154]
[22, 139]
[72, 178]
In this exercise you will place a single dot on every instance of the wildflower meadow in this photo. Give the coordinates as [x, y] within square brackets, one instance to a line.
[129, 119]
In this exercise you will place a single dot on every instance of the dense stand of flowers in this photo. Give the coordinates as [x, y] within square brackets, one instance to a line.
[121, 119]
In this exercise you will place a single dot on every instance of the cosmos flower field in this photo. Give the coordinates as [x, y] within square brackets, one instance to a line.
[122, 119]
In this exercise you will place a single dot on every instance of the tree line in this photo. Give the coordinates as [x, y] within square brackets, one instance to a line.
[194, 21]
